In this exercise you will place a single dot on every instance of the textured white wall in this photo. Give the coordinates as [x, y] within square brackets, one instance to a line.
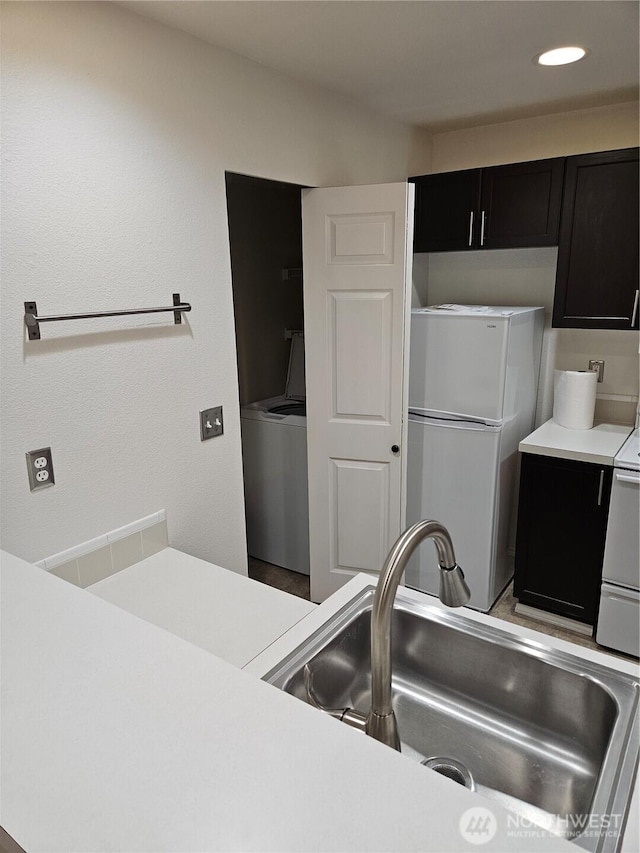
[117, 133]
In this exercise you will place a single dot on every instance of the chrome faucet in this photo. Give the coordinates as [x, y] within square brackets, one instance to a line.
[380, 723]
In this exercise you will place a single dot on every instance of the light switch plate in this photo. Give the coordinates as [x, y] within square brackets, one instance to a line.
[211, 423]
[40, 468]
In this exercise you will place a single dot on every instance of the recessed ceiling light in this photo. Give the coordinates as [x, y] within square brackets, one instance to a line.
[561, 56]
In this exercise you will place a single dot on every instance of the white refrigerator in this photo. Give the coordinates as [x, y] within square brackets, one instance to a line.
[473, 379]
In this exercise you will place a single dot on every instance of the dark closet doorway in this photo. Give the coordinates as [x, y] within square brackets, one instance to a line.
[265, 237]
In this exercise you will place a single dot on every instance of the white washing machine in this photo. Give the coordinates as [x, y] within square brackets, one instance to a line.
[274, 453]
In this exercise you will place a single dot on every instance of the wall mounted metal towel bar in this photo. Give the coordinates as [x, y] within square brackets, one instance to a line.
[32, 320]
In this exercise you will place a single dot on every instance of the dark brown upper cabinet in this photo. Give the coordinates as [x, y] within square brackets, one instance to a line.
[597, 273]
[521, 204]
[500, 207]
[447, 205]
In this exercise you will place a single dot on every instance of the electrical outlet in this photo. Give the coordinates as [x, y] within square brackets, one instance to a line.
[40, 468]
[597, 367]
[211, 423]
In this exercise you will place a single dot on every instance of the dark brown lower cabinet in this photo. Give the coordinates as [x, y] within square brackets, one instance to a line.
[562, 521]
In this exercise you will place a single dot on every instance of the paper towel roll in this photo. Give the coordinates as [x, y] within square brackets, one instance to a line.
[574, 398]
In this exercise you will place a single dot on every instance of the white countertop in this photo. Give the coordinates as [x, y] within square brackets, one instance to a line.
[598, 445]
[223, 612]
[118, 735]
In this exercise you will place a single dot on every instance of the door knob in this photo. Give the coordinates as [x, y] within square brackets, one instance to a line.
[395, 448]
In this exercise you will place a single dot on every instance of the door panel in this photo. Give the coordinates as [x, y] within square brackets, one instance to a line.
[359, 490]
[597, 271]
[357, 274]
[521, 203]
[360, 333]
[562, 518]
[357, 239]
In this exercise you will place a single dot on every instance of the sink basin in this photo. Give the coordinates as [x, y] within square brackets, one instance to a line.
[548, 735]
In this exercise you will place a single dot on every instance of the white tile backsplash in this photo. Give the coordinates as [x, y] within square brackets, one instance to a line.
[96, 559]
[95, 567]
[76, 551]
[154, 539]
[137, 526]
[125, 552]
[68, 572]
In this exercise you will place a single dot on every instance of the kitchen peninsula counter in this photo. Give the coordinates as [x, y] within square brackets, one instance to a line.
[204, 604]
[117, 735]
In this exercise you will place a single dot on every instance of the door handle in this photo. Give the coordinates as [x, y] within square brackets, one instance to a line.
[395, 448]
[600, 487]
[482, 229]
[470, 227]
[635, 309]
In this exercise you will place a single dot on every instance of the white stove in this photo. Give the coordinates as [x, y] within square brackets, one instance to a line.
[619, 616]
[629, 454]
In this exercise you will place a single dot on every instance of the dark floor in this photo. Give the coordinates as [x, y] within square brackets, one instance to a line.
[298, 584]
[292, 582]
[504, 609]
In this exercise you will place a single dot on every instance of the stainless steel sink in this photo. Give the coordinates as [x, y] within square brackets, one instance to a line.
[550, 736]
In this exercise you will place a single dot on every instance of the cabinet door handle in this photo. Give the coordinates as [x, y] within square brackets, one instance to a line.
[470, 227]
[600, 487]
[482, 229]
[635, 309]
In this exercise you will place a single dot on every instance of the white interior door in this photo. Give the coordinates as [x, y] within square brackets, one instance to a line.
[357, 245]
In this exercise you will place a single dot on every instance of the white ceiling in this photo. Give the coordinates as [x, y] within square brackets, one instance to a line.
[435, 63]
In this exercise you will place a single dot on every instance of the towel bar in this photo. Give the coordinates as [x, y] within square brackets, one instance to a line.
[32, 320]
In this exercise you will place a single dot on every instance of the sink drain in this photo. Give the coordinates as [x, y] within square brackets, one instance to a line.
[452, 769]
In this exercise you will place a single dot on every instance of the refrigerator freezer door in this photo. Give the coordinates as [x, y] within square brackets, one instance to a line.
[453, 474]
[458, 365]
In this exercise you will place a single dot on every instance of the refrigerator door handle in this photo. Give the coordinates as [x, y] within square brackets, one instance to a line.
[445, 423]
[452, 417]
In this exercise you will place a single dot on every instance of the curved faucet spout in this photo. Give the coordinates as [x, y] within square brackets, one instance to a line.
[454, 592]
